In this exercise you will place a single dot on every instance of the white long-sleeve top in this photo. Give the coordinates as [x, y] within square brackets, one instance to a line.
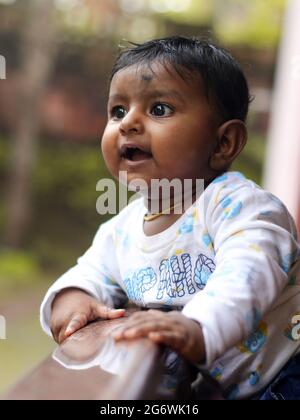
[231, 262]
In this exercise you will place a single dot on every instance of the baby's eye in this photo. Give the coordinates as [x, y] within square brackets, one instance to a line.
[118, 112]
[161, 110]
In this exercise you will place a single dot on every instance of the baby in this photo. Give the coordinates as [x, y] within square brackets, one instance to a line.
[221, 278]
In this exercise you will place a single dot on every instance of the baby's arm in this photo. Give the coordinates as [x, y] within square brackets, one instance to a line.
[255, 243]
[86, 291]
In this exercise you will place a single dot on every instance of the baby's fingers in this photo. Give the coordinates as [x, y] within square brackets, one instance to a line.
[102, 311]
[137, 329]
[169, 338]
[78, 321]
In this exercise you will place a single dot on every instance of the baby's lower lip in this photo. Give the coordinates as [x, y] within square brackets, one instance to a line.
[137, 158]
[136, 162]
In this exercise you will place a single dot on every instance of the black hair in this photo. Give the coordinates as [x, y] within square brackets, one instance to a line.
[223, 80]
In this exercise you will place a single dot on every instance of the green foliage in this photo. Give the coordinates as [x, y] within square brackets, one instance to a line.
[17, 268]
[250, 161]
[65, 195]
[66, 174]
[64, 206]
[256, 23]
[200, 12]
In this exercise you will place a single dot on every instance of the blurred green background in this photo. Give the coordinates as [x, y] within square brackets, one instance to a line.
[52, 114]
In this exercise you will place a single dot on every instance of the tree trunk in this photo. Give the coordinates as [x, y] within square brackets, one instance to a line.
[38, 50]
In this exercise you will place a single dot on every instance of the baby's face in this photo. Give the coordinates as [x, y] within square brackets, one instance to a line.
[159, 126]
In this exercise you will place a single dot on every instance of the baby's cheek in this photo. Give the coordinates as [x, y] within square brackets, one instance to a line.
[106, 142]
[111, 157]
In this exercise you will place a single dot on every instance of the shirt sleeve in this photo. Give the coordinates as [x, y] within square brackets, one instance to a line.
[96, 273]
[254, 240]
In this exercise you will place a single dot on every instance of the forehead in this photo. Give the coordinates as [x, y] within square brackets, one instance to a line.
[145, 77]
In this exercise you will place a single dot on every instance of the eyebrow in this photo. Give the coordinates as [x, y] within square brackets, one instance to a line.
[173, 94]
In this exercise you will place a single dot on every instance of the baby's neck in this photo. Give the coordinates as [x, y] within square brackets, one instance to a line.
[160, 224]
[165, 202]
[164, 221]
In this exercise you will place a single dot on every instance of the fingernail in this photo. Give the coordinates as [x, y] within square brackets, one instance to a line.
[154, 335]
[117, 333]
[130, 333]
[69, 330]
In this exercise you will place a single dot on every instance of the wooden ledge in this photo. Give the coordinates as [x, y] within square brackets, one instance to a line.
[84, 367]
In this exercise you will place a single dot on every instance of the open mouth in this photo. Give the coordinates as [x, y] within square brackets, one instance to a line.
[135, 154]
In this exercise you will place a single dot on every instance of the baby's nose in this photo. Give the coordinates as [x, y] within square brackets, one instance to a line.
[131, 123]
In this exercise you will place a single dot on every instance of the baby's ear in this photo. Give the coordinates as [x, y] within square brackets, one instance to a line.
[231, 139]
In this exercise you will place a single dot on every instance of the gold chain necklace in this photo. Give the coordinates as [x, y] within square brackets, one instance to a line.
[155, 215]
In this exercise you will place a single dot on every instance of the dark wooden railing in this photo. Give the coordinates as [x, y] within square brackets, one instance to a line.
[84, 367]
[90, 365]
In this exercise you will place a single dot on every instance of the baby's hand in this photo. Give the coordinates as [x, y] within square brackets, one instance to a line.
[73, 308]
[172, 329]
